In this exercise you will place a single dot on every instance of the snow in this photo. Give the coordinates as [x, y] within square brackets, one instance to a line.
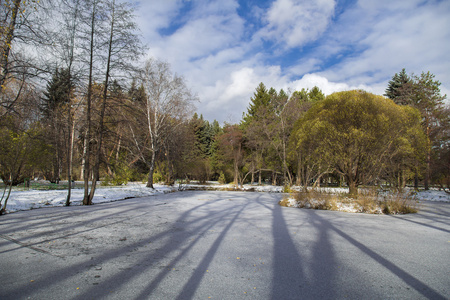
[31, 199]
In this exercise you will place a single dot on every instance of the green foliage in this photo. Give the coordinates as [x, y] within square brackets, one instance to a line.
[423, 93]
[158, 177]
[260, 98]
[22, 152]
[397, 87]
[57, 93]
[355, 133]
[222, 179]
[122, 173]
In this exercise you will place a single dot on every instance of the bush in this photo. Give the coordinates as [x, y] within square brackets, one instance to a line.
[158, 177]
[222, 179]
[399, 203]
[316, 200]
[368, 201]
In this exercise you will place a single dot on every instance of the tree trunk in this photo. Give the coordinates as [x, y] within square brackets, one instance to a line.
[416, 179]
[236, 173]
[9, 35]
[352, 188]
[3, 208]
[87, 200]
[96, 170]
[152, 169]
[427, 171]
[69, 153]
[299, 171]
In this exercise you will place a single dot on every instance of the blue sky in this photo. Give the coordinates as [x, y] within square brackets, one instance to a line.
[225, 48]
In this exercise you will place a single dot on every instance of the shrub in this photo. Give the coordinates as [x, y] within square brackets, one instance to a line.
[222, 179]
[368, 201]
[284, 202]
[399, 203]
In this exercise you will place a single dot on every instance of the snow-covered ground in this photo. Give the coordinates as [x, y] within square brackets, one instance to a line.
[31, 199]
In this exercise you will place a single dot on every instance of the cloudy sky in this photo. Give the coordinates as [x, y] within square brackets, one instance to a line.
[225, 48]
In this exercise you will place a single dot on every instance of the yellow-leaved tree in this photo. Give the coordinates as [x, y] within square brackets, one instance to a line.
[359, 135]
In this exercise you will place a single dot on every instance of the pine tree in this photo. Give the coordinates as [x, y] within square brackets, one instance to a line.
[422, 92]
[57, 92]
[398, 86]
[261, 97]
[55, 103]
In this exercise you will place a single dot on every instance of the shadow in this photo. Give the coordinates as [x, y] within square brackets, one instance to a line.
[322, 263]
[52, 232]
[57, 276]
[410, 280]
[288, 278]
[192, 284]
[304, 271]
[200, 226]
[422, 224]
[301, 268]
[436, 213]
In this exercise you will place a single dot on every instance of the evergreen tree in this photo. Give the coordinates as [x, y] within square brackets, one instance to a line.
[54, 107]
[261, 97]
[423, 92]
[397, 87]
[57, 92]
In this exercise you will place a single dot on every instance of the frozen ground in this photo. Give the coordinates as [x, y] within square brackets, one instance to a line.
[31, 199]
[222, 245]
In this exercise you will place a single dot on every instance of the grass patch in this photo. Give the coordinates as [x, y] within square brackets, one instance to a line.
[368, 201]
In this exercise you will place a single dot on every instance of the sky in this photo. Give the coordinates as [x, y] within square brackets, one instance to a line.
[225, 48]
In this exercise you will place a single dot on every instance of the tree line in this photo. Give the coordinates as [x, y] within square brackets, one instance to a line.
[77, 102]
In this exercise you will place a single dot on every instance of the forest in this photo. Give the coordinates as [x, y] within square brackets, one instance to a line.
[79, 101]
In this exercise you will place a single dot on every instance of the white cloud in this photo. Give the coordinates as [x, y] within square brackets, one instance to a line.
[295, 23]
[415, 37]
[311, 80]
[155, 15]
[221, 55]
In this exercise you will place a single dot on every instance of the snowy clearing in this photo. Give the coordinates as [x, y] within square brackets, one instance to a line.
[32, 199]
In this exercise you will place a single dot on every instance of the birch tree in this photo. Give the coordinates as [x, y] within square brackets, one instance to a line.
[169, 104]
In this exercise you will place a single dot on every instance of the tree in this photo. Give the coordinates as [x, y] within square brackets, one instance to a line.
[168, 105]
[87, 200]
[396, 87]
[22, 151]
[231, 150]
[301, 153]
[260, 98]
[55, 103]
[123, 47]
[422, 92]
[356, 132]
[22, 24]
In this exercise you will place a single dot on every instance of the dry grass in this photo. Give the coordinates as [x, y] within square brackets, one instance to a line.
[368, 201]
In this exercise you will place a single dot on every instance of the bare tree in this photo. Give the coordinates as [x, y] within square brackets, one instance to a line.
[123, 47]
[169, 103]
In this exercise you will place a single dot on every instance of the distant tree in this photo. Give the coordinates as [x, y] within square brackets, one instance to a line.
[396, 87]
[423, 92]
[260, 98]
[54, 108]
[230, 145]
[354, 133]
[306, 170]
[168, 105]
